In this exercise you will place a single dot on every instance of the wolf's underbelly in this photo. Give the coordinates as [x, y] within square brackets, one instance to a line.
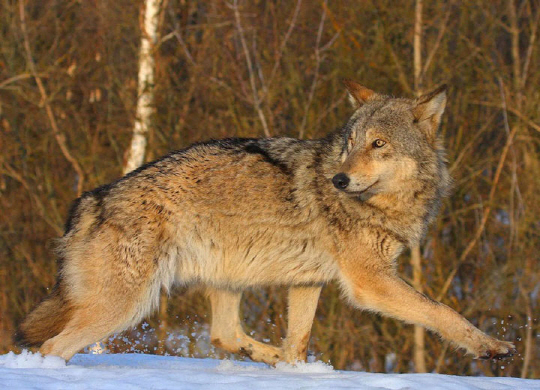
[254, 257]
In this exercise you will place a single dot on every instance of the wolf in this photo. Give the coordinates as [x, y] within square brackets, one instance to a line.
[239, 213]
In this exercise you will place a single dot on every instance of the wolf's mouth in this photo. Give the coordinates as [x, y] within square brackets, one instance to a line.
[358, 193]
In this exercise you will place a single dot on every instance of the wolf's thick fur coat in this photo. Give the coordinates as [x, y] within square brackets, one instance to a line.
[239, 213]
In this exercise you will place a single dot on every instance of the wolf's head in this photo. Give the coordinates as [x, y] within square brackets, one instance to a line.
[391, 145]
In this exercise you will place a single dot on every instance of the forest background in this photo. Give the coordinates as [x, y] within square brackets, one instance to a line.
[68, 97]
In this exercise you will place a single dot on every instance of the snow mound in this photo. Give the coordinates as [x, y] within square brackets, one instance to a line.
[30, 360]
[139, 371]
[298, 368]
[306, 368]
[229, 366]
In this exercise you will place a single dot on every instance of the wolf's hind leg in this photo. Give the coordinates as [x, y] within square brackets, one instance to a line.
[98, 312]
[227, 332]
[302, 306]
[88, 324]
[389, 294]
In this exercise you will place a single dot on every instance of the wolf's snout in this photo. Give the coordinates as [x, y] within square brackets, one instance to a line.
[341, 181]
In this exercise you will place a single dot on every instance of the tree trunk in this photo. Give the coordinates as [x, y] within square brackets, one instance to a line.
[419, 353]
[145, 92]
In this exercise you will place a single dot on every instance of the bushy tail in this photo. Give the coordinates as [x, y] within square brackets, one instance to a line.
[46, 320]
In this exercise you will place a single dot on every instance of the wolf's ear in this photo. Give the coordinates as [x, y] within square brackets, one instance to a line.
[358, 94]
[429, 108]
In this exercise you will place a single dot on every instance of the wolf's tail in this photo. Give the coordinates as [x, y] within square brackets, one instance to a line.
[46, 320]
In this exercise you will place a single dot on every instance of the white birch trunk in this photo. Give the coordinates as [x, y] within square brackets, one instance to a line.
[145, 91]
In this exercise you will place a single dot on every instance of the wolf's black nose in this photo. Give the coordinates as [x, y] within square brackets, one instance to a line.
[341, 181]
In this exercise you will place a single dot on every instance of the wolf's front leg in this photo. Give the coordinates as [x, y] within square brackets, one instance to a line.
[387, 293]
[302, 306]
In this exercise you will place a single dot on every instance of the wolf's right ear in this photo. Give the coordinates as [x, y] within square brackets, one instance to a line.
[358, 94]
[428, 109]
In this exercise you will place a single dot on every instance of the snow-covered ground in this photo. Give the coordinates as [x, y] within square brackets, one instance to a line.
[138, 371]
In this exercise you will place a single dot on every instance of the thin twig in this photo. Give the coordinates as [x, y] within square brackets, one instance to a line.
[330, 108]
[417, 48]
[440, 358]
[256, 100]
[59, 136]
[514, 185]
[497, 21]
[17, 78]
[437, 43]
[11, 172]
[465, 149]
[528, 336]
[510, 109]
[282, 46]
[178, 35]
[514, 49]
[532, 41]
[316, 76]
[402, 76]
[486, 211]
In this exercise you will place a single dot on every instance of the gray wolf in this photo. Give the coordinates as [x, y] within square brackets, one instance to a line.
[240, 213]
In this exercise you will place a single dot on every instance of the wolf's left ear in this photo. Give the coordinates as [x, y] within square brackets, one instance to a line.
[428, 109]
[358, 94]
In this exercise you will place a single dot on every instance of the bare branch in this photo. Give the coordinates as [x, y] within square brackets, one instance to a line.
[256, 100]
[419, 350]
[437, 43]
[402, 78]
[463, 151]
[292, 24]
[516, 59]
[11, 172]
[530, 49]
[529, 343]
[330, 108]
[419, 347]
[487, 210]
[417, 48]
[14, 79]
[58, 135]
[317, 68]
[513, 110]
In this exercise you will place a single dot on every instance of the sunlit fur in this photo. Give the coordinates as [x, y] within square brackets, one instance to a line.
[239, 213]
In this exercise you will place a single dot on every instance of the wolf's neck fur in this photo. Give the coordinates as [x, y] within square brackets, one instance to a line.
[406, 213]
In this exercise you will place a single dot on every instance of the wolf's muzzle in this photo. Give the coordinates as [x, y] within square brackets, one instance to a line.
[341, 181]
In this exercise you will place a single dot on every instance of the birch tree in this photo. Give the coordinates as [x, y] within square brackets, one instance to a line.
[145, 90]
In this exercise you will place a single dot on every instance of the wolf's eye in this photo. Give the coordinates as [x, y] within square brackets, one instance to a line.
[350, 143]
[378, 143]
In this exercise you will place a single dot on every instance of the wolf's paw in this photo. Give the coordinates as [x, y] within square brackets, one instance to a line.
[497, 350]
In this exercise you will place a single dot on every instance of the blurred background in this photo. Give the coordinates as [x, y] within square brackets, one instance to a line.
[69, 87]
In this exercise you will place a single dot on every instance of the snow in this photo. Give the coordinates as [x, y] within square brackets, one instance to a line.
[139, 371]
